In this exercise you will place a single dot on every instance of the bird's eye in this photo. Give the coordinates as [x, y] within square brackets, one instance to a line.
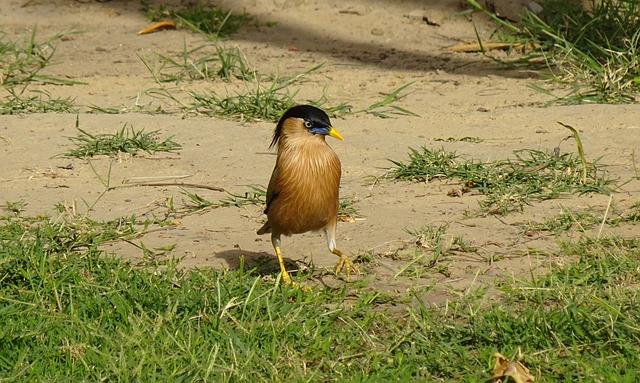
[308, 124]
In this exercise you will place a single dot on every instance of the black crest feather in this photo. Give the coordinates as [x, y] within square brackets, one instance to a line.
[307, 112]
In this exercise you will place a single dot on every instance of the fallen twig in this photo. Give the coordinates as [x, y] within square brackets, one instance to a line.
[183, 184]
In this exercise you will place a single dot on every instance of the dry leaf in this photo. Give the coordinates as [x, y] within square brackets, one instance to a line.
[515, 370]
[158, 26]
[458, 192]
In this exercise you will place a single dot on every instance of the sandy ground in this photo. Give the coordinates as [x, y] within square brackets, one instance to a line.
[368, 48]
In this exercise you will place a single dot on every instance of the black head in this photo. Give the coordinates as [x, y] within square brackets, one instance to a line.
[314, 118]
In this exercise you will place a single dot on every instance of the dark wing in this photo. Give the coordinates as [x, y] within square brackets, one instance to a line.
[272, 194]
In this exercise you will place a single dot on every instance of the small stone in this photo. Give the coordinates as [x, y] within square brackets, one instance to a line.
[534, 7]
[377, 31]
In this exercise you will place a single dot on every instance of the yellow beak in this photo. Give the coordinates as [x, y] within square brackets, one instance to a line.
[334, 133]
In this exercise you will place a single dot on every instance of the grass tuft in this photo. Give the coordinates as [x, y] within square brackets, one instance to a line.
[387, 106]
[225, 63]
[14, 207]
[126, 140]
[40, 102]
[256, 195]
[510, 184]
[592, 50]
[201, 17]
[257, 103]
[260, 98]
[347, 211]
[583, 220]
[209, 20]
[22, 64]
[432, 247]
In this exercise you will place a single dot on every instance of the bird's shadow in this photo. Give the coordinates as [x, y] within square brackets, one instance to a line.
[266, 264]
[262, 263]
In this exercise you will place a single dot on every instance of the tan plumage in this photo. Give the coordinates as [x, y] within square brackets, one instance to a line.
[304, 187]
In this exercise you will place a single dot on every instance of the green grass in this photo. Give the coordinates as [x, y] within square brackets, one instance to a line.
[22, 64]
[432, 250]
[566, 220]
[266, 98]
[39, 101]
[508, 185]
[201, 17]
[387, 107]
[268, 102]
[15, 207]
[208, 20]
[256, 195]
[258, 102]
[594, 300]
[71, 313]
[126, 140]
[347, 211]
[592, 53]
[200, 64]
[258, 97]
[583, 220]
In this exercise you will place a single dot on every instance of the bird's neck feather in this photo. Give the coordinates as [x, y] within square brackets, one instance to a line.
[307, 151]
[301, 141]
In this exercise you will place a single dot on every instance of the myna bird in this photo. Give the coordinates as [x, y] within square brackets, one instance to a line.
[303, 191]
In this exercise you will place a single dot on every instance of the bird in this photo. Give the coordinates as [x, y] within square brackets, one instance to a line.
[303, 191]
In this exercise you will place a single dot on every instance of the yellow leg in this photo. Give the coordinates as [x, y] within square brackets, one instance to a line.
[286, 279]
[344, 263]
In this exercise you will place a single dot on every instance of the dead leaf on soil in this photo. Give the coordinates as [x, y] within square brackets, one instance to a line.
[515, 370]
[458, 192]
[158, 26]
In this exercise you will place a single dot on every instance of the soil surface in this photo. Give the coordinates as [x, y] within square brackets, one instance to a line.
[368, 48]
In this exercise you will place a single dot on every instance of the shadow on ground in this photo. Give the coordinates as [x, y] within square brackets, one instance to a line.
[386, 55]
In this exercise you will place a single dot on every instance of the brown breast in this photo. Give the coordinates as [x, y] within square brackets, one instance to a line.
[307, 187]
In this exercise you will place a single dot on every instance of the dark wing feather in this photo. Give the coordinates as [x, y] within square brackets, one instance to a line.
[272, 194]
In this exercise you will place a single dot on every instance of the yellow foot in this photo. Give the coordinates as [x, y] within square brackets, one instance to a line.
[301, 286]
[345, 264]
[286, 279]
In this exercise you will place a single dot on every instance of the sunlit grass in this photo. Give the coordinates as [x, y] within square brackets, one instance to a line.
[200, 17]
[509, 184]
[23, 64]
[71, 312]
[126, 140]
[591, 50]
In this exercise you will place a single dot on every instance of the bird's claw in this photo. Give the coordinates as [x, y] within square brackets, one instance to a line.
[300, 286]
[345, 264]
[286, 279]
